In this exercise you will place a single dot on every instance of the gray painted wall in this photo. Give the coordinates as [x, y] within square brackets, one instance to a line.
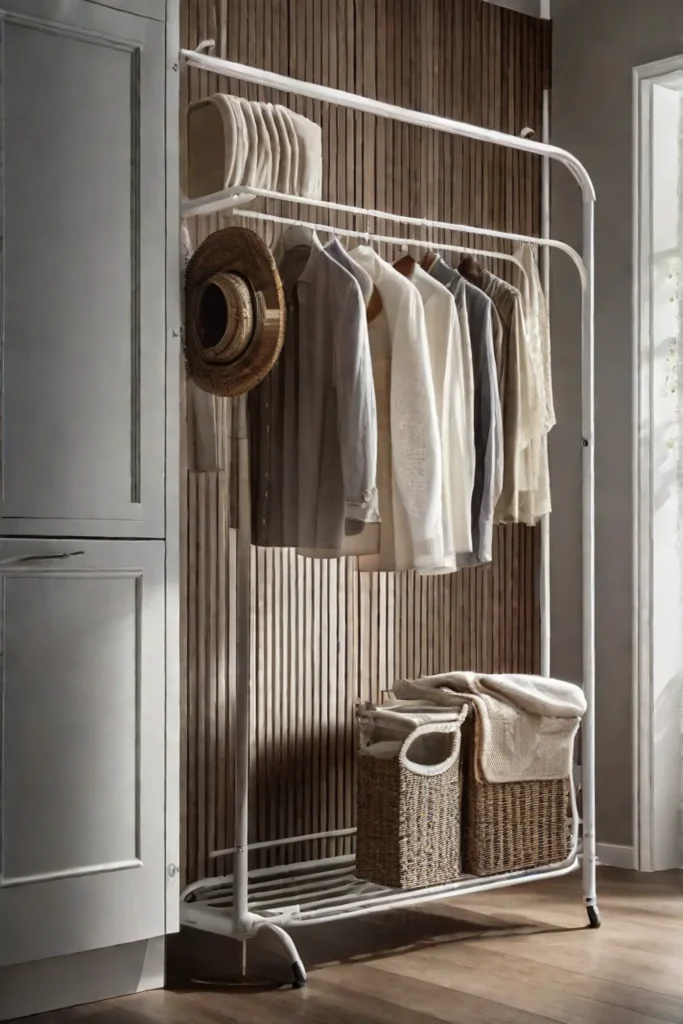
[595, 46]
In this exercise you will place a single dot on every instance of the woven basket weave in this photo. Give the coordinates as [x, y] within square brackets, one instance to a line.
[511, 826]
[409, 831]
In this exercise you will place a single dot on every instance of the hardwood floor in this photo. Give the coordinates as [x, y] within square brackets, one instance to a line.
[519, 956]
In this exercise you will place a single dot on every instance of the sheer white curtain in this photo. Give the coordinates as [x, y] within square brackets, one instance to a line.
[676, 385]
[666, 332]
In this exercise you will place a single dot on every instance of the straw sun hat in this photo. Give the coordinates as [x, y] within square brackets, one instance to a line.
[234, 312]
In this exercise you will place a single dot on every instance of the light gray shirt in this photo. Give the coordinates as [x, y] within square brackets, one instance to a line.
[336, 250]
[487, 413]
[523, 410]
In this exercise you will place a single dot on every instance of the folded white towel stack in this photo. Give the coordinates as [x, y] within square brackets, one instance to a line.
[233, 141]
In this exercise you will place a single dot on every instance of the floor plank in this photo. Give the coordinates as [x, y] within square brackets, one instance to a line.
[516, 956]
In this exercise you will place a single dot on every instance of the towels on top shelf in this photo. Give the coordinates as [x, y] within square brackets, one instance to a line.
[527, 723]
[235, 141]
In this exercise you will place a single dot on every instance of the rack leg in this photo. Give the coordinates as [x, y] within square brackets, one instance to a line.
[594, 919]
[588, 567]
[590, 861]
[590, 892]
[291, 953]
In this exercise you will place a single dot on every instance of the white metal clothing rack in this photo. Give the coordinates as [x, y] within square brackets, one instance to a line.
[369, 236]
[230, 199]
[294, 895]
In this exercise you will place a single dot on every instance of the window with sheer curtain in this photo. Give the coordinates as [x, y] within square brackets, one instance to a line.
[667, 424]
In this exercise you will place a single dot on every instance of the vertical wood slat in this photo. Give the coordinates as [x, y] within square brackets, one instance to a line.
[323, 635]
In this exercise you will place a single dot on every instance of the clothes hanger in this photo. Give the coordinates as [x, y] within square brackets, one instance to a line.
[405, 264]
[299, 233]
[470, 269]
[367, 236]
[429, 259]
[468, 266]
[296, 235]
[375, 304]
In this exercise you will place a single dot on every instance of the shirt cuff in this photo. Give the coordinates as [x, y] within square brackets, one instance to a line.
[427, 554]
[365, 509]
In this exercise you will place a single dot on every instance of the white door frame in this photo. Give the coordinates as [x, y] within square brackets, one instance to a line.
[648, 854]
[174, 284]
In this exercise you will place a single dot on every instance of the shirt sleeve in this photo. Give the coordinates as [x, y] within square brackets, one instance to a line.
[530, 402]
[459, 454]
[416, 449]
[356, 409]
[496, 333]
[489, 439]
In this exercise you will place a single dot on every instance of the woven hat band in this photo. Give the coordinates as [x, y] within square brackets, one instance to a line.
[226, 316]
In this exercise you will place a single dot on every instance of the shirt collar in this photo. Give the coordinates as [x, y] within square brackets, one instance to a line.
[338, 253]
[442, 272]
[317, 256]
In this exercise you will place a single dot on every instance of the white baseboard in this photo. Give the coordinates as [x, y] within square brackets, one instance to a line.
[46, 985]
[613, 856]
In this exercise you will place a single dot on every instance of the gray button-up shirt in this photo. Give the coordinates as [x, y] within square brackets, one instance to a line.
[313, 423]
[487, 414]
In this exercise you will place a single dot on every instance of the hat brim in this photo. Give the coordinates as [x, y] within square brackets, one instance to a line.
[241, 251]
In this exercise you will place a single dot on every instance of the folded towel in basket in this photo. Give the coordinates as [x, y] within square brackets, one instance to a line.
[526, 724]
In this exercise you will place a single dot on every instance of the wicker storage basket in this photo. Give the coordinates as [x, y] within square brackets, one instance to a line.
[511, 826]
[409, 810]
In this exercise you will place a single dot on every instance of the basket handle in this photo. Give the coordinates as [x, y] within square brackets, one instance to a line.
[430, 729]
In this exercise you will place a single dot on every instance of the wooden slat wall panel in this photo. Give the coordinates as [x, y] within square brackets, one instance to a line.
[324, 635]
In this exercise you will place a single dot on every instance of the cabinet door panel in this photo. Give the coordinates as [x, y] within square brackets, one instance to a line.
[83, 327]
[82, 816]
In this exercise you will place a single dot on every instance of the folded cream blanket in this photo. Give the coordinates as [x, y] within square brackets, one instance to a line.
[527, 724]
[263, 145]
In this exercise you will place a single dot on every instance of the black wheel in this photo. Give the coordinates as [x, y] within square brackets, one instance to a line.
[299, 975]
[594, 919]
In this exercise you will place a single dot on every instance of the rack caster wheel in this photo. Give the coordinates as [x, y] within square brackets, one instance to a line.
[299, 974]
[594, 919]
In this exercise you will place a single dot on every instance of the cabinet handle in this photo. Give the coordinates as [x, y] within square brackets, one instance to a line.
[40, 558]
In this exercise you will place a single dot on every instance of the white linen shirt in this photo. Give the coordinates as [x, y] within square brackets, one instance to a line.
[454, 401]
[416, 470]
[534, 500]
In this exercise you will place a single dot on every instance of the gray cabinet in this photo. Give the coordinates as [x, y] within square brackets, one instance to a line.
[88, 588]
[82, 798]
[82, 290]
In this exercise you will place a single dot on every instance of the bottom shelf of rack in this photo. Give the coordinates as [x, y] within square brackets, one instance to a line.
[315, 892]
